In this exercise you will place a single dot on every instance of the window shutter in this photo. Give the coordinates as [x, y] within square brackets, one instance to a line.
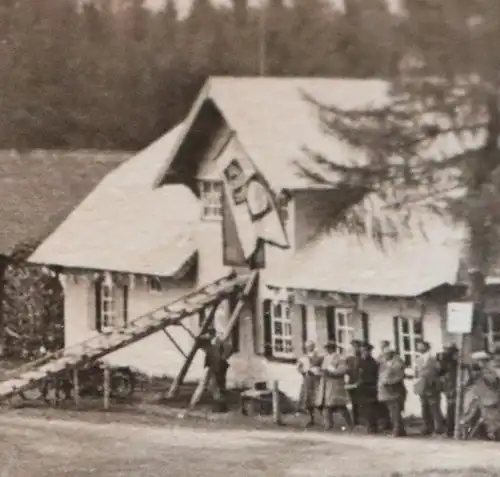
[266, 317]
[303, 322]
[330, 323]
[365, 327]
[96, 321]
[235, 334]
[125, 306]
[395, 327]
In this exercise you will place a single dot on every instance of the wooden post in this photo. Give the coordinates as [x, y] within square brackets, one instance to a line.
[171, 338]
[76, 387]
[276, 403]
[107, 386]
[459, 399]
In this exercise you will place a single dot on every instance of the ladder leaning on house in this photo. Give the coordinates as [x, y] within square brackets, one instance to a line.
[80, 355]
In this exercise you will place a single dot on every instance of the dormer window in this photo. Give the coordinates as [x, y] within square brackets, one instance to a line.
[211, 199]
[154, 285]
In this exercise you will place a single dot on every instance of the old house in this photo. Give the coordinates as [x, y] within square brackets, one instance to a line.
[154, 229]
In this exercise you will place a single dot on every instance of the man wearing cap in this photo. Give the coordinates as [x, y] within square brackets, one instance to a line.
[449, 372]
[353, 369]
[487, 390]
[427, 387]
[382, 409]
[309, 366]
[367, 387]
[332, 395]
[391, 390]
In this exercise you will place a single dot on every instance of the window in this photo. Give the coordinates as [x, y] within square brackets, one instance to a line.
[342, 329]
[492, 331]
[407, 332]
[111, 306]
[154, 285]
[281, 330]
[108, 306]
[211, 199]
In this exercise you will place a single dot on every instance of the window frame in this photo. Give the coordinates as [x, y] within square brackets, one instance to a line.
[286, 335]
[413, 337]
[211, 196]
[154, 285]
[347, 329]
[108, 304]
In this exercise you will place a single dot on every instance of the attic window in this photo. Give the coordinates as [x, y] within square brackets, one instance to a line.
[211, 199]
[154, 285]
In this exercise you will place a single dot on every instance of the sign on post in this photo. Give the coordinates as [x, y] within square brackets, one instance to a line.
[459, 317]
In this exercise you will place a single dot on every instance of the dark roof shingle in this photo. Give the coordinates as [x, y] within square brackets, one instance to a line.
[38, 189]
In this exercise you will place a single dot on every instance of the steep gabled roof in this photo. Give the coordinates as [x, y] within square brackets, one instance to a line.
[274, 122]
[38, 189]
[125, 225]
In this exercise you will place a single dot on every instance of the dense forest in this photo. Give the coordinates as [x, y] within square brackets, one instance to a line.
[85, 75]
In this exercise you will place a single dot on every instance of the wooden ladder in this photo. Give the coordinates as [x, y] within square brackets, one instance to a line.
[80, 355]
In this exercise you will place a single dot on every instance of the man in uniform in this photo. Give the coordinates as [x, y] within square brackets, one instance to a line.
[353, 369]
[392, 391]
[382, 409]
[428, 387]
[367, 387]
[449, 372]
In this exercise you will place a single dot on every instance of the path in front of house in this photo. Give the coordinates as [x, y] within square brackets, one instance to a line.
[41, 447]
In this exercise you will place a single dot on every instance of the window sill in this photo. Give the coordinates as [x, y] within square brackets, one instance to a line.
[280, 359]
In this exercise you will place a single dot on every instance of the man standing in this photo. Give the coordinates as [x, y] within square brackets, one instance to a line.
[353, 370]
[428, 387]
[367, 387]
[216, 360]
[382, 409]
[392, 391]
[449, 373]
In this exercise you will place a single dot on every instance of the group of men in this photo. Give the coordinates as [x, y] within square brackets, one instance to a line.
[376, 387]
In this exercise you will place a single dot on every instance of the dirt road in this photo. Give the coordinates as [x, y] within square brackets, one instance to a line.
[46, 448]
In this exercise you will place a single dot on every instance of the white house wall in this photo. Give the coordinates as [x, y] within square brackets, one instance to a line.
[154, 355]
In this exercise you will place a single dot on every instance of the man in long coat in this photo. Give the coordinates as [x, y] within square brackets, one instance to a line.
[428, 387]
[449, 373]
[332, 395]
[353, 370]
[309, 366]
[487, 390]
[367, 387]
[391, 390]
[382, 409]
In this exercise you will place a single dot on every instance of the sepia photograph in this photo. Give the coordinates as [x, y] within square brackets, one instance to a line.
[249, 238]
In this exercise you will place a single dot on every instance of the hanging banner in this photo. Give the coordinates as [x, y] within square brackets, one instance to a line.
[251, 204]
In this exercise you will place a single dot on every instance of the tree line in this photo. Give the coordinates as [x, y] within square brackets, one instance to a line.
[116, 75]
